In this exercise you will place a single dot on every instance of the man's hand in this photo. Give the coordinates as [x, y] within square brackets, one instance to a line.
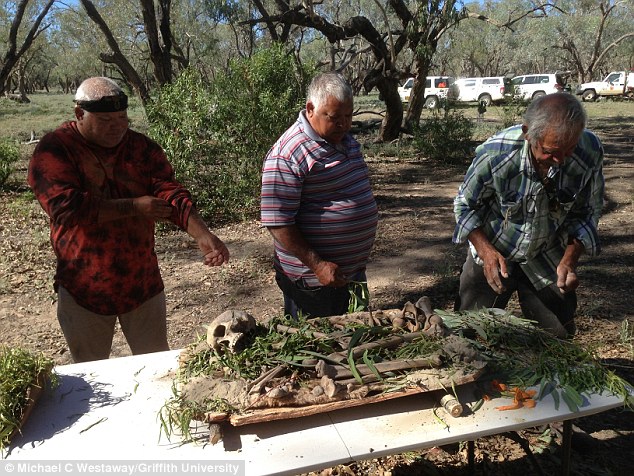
[494, 264]
[291, 238]
[214, 250]
[567, 269]
[566, 278]
[152, 207]
[329, 274]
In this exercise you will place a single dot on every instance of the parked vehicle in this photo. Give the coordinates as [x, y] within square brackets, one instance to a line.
[436, 88]
[617, 83]
[483, 90]
[531, 86]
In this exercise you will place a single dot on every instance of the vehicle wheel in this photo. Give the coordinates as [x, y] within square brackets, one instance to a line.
[431, 102]
[486, 99]
[539, 94]
[589, 95]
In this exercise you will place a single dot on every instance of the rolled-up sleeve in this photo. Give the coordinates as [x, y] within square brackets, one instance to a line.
[583, 220]
[474, 191]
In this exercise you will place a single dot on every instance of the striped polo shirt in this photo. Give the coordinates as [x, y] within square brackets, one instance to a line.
[325, 191]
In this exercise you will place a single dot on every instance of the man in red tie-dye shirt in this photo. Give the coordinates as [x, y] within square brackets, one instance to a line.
[104, 187]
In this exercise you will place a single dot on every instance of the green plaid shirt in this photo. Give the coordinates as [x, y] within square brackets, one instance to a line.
[528, 223]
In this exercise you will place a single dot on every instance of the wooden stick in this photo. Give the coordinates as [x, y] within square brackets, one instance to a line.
[387, 343]
[294, 330]
[337, 336]
[283, 413]
[337, 372]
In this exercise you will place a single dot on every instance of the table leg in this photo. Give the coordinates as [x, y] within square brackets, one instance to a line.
[566, 448]
[471, 456]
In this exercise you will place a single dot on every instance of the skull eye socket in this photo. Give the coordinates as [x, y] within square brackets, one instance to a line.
[220, 331]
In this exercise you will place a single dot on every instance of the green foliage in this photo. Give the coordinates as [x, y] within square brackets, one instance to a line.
[216, 135]
[445, 136]
[178, 119]
[512, 112]
[626, 336]
[359, 296]
[9, 155]
[19, 370]
[525, 355]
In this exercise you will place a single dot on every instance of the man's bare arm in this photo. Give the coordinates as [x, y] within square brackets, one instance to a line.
[292, 240]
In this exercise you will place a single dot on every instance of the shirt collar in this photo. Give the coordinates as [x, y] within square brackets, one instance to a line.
[308, 129]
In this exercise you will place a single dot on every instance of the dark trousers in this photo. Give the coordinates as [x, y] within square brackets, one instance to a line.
[319, 301]
[551, 309]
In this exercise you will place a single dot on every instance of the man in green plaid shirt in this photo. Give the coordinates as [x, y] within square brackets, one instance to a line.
[529, 207]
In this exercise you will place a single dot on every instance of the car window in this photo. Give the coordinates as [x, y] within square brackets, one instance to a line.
[543, 79]
[428, 83]
[441, 82]
[491, 81]
[613, 77]
[517, 81]
[530, 80]
[469, 83]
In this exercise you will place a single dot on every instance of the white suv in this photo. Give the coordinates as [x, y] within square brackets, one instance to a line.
[487, 90]
[532, 86]
[436, 88]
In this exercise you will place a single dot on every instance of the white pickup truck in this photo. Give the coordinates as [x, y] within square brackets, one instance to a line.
[617, 83]
[436, 89]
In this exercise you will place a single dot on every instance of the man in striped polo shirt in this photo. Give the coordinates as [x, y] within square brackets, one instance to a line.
[318, 204]
[529, 206]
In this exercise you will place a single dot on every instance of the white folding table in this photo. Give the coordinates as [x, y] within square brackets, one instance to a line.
[108, 410]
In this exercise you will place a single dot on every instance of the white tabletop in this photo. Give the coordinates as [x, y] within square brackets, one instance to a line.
[108, 410]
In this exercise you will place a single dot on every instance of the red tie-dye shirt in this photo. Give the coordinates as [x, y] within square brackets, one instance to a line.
[111, 267]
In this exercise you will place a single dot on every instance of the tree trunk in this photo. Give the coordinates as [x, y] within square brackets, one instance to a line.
[417, 99]
[13, 54]
[22, 84]
[117, 57]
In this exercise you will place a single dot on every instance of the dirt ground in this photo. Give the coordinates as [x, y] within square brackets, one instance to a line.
[413, 257]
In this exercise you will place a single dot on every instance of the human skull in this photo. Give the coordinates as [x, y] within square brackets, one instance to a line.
[227, 331]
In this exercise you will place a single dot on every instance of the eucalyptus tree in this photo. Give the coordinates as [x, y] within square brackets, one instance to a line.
[151, 25]
[144, 34]
[21, 23]
[281, 17]
[402, 29]
[483, 48]
[591, 32]
[73, 49]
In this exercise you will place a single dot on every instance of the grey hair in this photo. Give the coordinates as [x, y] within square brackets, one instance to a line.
[326, 85]
[97, 87]
[559, 113]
